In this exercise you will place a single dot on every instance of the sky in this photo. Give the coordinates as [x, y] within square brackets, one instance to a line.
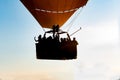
[98, 49]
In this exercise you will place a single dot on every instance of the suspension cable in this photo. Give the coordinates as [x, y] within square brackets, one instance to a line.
[76, 31]
[71, 23]
[43, 29]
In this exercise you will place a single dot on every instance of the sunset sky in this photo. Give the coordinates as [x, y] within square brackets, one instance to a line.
[98, 49]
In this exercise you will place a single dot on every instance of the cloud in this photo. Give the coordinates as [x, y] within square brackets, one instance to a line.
[98, 53]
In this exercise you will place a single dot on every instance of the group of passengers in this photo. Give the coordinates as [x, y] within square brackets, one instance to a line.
[55, 38]
[51, 39]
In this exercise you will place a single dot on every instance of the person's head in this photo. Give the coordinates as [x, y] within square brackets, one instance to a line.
[53, 26]
[57, 25]
[74, 38]
[39, 36]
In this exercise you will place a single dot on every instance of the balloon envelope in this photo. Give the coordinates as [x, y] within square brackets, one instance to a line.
[50, 12]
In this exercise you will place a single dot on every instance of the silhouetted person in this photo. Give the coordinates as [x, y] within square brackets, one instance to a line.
[39, 38]
[44, 37]
[49, 38]
[75, 42]
[57, 28]
[55, 31]
[35, 39]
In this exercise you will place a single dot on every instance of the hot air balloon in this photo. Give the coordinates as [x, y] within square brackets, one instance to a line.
[53, 14]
